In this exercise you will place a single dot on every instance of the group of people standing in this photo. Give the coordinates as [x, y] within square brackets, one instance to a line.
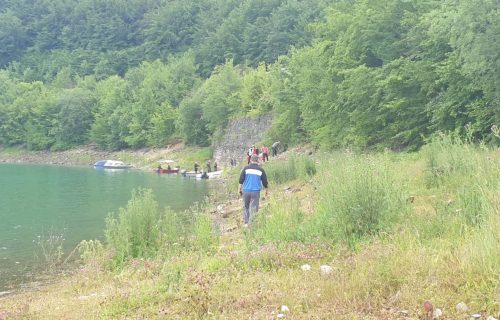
[263, 153]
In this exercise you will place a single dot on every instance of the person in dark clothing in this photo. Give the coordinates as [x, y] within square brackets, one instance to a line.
[196, 167]
[209, 166]
[274, 147]
[215, 166]
[252, 178]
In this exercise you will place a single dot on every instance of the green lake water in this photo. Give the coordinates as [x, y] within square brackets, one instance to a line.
[38, 202]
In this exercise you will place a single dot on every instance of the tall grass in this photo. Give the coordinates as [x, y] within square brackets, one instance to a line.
[295, 167]
[135, 231]
[452, 161]
[281, 221]
[359, 197]
[141, 231]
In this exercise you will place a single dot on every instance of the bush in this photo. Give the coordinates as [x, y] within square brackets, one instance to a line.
[280, 222]
[448, 156]
[293, 168]
[359, 197]
[135, 232]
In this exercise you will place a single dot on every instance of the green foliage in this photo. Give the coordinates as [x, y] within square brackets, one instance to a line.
[191, 124]
[134, 232]
[110, 127]
[449, 157]
[295, 167]
[75, 117]
[281, 222]
[358, 74]
[359, 198]
[473, 205]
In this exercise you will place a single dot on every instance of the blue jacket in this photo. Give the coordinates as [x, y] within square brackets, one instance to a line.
[253, 177]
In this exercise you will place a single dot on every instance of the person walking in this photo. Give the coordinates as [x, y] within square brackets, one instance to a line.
[209, 166]
[265, 154]
[252, 178]
[274, 147]
[215, 165]
[196, 167]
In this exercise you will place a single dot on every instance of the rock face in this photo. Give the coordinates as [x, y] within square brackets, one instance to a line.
[240, 135]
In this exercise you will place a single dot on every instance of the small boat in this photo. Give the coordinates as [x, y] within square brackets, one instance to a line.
[214, 174]
[167, 170]
[111, 164]
[192, 174]
[202, 175]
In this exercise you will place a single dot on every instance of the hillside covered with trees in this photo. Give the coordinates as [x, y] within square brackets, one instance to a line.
[142, 73]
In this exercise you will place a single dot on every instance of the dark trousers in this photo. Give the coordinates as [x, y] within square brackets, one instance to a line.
[250, 205]
[265, 157]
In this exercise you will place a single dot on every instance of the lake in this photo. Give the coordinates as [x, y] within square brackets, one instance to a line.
[71, 203]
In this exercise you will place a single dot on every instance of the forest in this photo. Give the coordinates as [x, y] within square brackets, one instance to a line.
[362, 74]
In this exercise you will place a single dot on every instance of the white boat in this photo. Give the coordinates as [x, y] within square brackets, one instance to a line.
[202, 175]
[214, 174]
[192, 174]
[111, 164]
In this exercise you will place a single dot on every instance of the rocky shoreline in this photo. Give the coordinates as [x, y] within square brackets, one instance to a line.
[82, 156]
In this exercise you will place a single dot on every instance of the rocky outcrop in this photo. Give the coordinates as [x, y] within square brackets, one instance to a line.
[240, 135]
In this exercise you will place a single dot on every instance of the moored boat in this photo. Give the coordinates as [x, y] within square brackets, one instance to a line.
[169, 171]
[202, 175]
[192, 174]
[111, 164]
[214, 174]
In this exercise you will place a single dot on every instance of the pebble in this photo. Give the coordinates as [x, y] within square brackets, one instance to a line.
[491, 318]
[476, 316]
[404, 313]
[462, 307]
[437, 313]
[284, 309]
[281, 315]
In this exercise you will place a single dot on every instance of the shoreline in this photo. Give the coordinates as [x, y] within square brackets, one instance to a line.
[85, 156]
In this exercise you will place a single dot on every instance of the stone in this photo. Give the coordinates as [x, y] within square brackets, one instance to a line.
[438, 313]
[462, 307]
[404, 313]
[476, 316]
[491, 318]
[284, 309]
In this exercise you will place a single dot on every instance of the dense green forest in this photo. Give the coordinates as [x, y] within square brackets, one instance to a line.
[140, 73]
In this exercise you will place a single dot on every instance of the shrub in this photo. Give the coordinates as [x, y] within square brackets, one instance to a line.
[293, 168]
[280, 222]
[359, 197]
[135, 232]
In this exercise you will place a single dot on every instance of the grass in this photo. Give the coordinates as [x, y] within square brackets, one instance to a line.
[397, 230]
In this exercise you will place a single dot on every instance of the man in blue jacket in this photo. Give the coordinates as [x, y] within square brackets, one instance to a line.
[252, 178]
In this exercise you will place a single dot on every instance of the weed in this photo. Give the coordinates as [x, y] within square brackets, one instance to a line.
[135, 232]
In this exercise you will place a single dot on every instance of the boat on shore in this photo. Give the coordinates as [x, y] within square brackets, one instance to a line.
[192, 174]
[111, 164]
[202, 175]
[214, 174]
[169, 169]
